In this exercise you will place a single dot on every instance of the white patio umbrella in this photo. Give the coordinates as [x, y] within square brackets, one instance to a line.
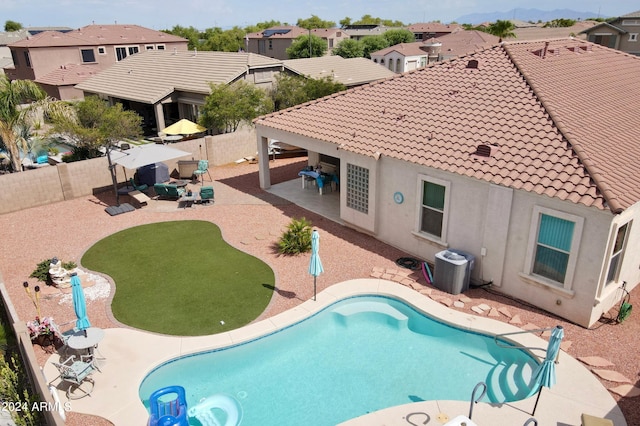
[144, 155]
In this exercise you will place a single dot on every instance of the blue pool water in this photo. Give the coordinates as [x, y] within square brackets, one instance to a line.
[359, 355]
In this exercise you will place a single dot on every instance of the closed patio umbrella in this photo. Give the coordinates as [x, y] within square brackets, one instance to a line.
[79, 303]
[315, 265]
[545, 374]
[183, 127]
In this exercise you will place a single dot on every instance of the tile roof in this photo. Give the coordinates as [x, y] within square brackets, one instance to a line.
[350, 72]
[635, 14]
[538, 32]
[563, 124]
[99, 35]
[433, 27]
[151, 75]
[462, 42]
[70, 74]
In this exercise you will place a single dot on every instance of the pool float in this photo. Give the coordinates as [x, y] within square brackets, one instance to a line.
[168, 413]
[204, 413]
[427, 273]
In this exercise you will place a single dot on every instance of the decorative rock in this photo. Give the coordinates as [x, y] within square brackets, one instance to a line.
[484, 307]
[505, 311]
[610, 375]
[515, 320]
[458, 304]
[494, 312]
[627, 391]
[596, 361]
[465, 299]
[477, 310]
[446, 301]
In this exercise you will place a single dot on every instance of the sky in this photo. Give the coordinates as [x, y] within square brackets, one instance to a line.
[202, 14]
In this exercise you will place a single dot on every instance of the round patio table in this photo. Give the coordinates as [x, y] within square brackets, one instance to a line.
[80, 340]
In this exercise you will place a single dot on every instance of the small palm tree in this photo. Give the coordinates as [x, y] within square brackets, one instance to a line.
[297, 237]
[15, 117]
[502, 29]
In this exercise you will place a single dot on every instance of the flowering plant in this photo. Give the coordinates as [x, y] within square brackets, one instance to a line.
[40, 327]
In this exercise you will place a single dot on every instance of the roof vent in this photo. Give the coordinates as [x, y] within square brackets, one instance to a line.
[473, 64]
[483, 150]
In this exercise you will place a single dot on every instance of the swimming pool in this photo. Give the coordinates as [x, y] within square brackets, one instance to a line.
[358, 355]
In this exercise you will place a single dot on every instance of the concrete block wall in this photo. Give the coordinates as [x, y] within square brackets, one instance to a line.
[66, 181]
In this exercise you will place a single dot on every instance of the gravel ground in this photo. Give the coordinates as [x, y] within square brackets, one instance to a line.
[252, 220]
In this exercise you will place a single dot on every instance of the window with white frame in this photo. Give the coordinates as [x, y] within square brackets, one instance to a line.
[633, 37]
[358, 188]
[102, 50]
[553, 246]
[160, 46]
[121, 53]
[617, 254]
[133, 50]
[149, 47]
[434, 201]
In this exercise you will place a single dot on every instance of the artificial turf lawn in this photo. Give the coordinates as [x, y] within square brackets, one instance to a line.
[181, 278]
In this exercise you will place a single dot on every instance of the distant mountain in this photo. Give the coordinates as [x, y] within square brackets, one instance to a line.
[533, 15]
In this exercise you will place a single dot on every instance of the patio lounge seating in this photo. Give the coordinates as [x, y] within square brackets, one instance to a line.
[168, 191]
[206, 194]
[203, 167]
[136, 187]
[76, 374]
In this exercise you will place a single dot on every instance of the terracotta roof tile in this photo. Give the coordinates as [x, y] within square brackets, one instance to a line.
[540, 111]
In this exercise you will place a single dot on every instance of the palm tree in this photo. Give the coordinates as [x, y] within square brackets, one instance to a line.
[502, 29]
[15, 115]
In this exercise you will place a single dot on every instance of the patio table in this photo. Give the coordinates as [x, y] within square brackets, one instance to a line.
[86, 340]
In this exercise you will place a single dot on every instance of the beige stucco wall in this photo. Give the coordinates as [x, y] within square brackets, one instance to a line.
[66, 181]
[491, 222]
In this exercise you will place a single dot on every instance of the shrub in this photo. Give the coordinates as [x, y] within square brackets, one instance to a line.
[41, 273]
[297, 238]
[69, 265]
[15, 388]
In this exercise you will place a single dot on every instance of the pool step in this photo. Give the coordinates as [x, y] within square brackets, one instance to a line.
[373, 309]
[510, 381]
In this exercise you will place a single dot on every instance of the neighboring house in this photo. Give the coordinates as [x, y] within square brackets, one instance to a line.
[620, 33]
[358, 32]
[532, 32]
[425, 31]
[165, 86]
[405, 57]
[57, 60]
[350, 72]
[518, 154]
[273, 42]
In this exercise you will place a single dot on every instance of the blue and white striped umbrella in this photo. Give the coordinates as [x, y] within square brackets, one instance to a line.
[545, 374]
[315, 265]
[79, 303]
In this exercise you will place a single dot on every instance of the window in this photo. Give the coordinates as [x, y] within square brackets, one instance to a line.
[14, 56]
[618, 252]
[27, 58]
[607, 40]
[88, 55]
[433, 207]
[102, 50]
[398, 69]
[358, 188]
[149, 47]
[121, 53]
[160, 46]
[133, 50]
[553, 246]
[633, 37]
[330, 43]
[270, 44]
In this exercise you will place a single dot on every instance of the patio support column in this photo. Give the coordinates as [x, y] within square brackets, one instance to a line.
[159, 111]
[263, 162]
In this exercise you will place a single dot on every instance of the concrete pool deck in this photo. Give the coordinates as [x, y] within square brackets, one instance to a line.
[132, 354]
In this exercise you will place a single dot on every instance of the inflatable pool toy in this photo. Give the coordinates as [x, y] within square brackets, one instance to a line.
[168, 413]
[206, 411]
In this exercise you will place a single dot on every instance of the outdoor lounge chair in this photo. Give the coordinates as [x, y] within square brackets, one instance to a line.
[75, 374]
[136, 187]
[203, 167]
[206, 194]
[168, 191]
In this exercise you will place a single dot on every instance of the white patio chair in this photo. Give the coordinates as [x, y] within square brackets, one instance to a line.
[76, 375]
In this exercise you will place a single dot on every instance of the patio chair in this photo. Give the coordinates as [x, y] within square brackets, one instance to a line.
[140, 188]
[62, 335]
[75, 374]
[206, 194]
[203, 167]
